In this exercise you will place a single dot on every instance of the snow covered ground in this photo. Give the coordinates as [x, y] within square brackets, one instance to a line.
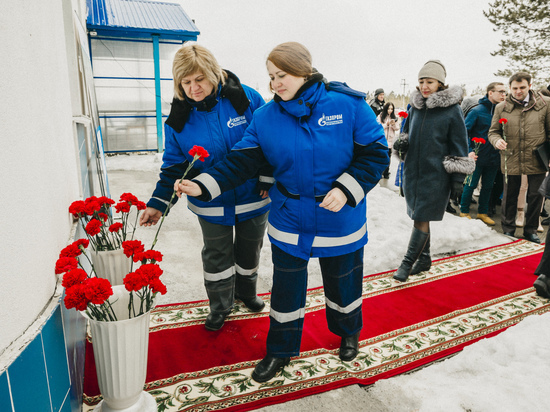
[509, 372]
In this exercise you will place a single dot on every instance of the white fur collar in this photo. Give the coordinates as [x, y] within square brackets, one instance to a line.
[442, 98]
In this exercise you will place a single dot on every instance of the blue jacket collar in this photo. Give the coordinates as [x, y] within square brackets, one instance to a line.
[306, 97]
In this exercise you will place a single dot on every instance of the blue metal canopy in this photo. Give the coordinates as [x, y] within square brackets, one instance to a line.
[140, 19]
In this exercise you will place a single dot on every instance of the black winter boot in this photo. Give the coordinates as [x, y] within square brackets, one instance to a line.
[416, 245]
[424, 261]
[245, 290]
[221, 295]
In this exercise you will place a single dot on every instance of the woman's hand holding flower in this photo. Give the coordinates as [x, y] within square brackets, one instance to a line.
[187, 187]
[334, 200]
[150, 217]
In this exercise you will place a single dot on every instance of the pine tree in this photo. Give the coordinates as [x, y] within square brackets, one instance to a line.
[525, 25]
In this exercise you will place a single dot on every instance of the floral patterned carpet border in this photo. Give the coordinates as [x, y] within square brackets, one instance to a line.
[406, 325]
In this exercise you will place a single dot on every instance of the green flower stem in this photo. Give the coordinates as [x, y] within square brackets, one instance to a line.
[172, 198]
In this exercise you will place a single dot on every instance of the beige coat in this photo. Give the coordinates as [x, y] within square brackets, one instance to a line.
[526, 128]
[389, 128]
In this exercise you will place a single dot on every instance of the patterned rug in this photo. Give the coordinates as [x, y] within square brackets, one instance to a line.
[434, 314]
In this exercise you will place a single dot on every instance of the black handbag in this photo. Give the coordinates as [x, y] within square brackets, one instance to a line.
[543, 154]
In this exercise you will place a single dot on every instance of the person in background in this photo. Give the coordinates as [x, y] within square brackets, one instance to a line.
[520, 124]
[377, 104]
[478, 121]
[212, 109]
[390, 123]
[435, 148]
[327, 152]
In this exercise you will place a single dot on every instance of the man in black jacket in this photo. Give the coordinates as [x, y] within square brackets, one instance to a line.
[377, 104]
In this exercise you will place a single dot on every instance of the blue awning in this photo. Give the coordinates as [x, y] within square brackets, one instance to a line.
[140, 19]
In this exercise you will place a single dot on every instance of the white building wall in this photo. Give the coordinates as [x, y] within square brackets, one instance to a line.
[38, 160]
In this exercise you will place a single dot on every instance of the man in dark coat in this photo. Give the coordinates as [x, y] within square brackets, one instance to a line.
[377, 104]
[478, 121]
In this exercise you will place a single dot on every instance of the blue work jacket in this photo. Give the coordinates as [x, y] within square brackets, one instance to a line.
[217, 124]
[325, 137]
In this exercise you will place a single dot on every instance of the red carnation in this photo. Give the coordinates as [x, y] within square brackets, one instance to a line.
[128, 197]
[152, 255]
[93, 227]
[156, 285]
[503, 121]
[77, 208]
[131, 247]
[479, 140]
[402, 114]
[70, 251]
[134, 281]
[91, 206]
[122, 207]
[74, 277]
[82, 242]
[76, 298]
[199, 152]
[105, 200]
[97, 290]
[115, 227]
[140, 205]
[103, 216]
[64, 264]
[150, 271]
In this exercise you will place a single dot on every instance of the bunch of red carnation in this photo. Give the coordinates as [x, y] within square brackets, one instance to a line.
[87, 292]
[96, 217]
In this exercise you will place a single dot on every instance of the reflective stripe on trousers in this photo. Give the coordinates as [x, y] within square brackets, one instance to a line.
[342, 281]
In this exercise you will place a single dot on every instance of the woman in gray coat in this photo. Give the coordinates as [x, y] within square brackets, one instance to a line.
[434, 145]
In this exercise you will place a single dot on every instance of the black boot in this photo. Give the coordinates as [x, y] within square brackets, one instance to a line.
[416, 245]
[268, 368]
[542, 286]
[245, 290]
[424, 261]
[221, 295]
[349, 347]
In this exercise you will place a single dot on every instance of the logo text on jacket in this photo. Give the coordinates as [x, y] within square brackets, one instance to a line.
[236, 121]
[330, 120]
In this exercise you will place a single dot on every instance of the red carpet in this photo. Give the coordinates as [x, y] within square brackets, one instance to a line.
[460, 300]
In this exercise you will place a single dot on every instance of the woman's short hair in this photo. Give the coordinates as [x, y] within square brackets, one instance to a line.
[293, 58]
[195, 59]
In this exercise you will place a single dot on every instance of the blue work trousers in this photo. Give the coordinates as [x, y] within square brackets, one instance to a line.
[487, 175]
[342, 282]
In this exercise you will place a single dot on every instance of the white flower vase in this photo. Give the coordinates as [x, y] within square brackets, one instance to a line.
[112, 265]
[120, 353]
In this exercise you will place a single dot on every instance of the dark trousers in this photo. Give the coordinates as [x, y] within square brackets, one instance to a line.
[342, 282]
[487, 175]
[544, 265]
[228, 250]
[510, 203]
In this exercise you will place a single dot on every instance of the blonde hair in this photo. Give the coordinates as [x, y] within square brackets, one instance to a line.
[293, 58]
[195, 59]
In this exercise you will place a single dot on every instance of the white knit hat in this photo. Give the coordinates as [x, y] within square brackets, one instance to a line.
[433, 69]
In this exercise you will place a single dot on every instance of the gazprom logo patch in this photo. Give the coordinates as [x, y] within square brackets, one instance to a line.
[331, 120]
[236, 121]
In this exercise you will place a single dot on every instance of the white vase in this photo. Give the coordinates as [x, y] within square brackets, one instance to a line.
[120, 354]
[113, 265]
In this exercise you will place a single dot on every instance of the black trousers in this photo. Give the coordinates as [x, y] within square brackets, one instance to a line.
[544, 265]
[510, 203]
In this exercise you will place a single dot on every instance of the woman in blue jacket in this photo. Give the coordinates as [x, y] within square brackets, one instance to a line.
[327, 152]
[212, 109]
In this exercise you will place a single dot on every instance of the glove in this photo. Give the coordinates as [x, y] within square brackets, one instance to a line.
[456, 190]
[401, 146]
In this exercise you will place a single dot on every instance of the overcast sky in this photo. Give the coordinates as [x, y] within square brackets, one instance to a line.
[366, 43]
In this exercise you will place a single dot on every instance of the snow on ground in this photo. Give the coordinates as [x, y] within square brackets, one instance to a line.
[508, 372]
